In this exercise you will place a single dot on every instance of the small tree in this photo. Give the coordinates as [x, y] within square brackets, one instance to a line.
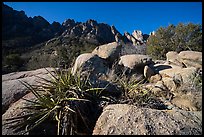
[175, 38]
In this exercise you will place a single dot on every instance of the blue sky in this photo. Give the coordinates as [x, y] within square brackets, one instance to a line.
[125, 16]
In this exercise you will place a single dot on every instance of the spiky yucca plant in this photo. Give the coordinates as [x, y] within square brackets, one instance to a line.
[134, 93]
[131, 87]
[63, 99]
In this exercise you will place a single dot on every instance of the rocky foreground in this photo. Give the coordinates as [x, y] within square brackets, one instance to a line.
[123, 119]
[173, 78]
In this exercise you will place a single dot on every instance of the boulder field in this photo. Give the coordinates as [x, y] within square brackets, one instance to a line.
[174, 75]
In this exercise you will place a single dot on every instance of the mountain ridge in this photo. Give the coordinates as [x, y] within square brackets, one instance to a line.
[39, 24]
[30, 39]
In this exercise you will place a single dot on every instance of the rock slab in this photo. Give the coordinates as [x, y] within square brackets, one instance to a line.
[123, 119]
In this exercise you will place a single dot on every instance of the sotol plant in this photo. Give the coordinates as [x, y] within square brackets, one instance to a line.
[62, 99]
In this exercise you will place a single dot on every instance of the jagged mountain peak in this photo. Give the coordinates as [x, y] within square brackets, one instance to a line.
[90, 30]
[92, 22]
[68, 22]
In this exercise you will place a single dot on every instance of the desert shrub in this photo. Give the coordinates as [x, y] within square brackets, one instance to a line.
[12, 63]
[134, 93]
[68, 101]
[175, 38]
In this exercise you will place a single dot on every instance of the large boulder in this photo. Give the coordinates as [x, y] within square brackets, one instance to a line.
[173, 58]
[16, 110]
[80, 60]
[191, 58]
[135, 60]
[123, 119]
[186, 74]
[91, 63]
[171, 78]
[109, 51]
[23, 74]
[185, 59]
[12, 89]
[191, 55]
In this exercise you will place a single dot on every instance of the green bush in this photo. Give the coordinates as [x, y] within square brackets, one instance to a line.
[175, 38]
